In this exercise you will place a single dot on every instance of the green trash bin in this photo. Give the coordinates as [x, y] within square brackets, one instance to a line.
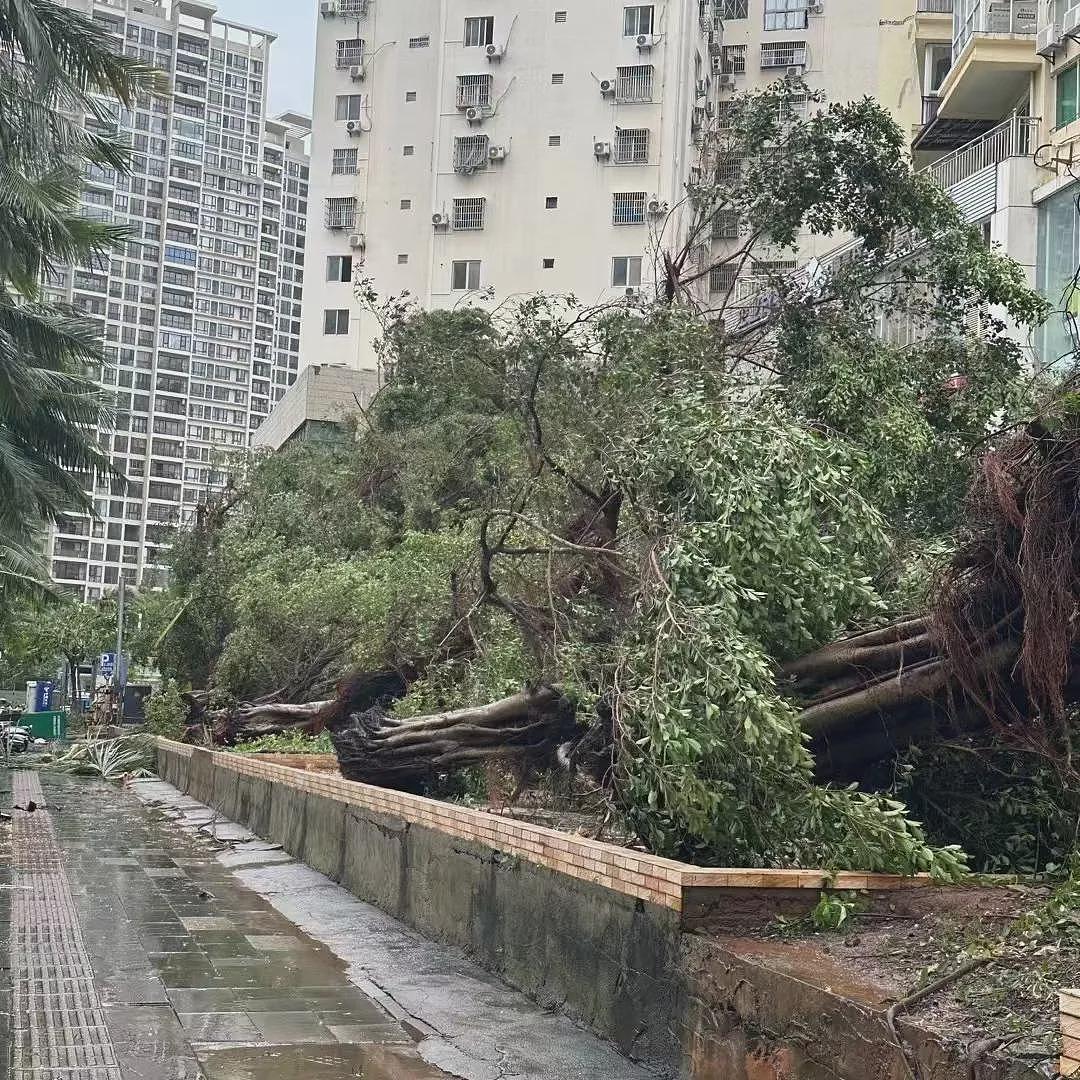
[46, 725]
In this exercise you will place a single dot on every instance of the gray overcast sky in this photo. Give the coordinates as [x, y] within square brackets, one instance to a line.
[292, 57]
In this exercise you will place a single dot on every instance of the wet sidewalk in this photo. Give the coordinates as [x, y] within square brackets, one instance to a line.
[161, 943]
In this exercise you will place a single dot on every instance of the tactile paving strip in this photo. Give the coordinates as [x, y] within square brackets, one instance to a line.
[59, 1026]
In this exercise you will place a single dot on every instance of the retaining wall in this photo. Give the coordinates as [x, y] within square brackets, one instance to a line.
[598, 931]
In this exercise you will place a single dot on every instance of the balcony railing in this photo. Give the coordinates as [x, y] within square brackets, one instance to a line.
[1015, 137]
[934, 7]
[993, 17]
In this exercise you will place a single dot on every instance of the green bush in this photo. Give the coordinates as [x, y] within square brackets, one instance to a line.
[166, 713]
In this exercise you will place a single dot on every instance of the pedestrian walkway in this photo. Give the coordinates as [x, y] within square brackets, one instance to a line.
[162, 943]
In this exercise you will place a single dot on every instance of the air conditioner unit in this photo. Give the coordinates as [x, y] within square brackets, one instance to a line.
[726, 79]
[645, 42]
[353, 127]
[495, 52]
[357, 72]
[328, 7]
[795, 69]
[1048, 41]
[475, 115]
[440, 220]
[657, 206]
[607, 87]
[601, 149]
[633, 292]
[358, 241]
[817, 9]
[496, 153]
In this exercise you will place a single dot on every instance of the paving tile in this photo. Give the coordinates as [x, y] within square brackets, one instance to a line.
[206, 922]
[290, 1027]
[226, 1027]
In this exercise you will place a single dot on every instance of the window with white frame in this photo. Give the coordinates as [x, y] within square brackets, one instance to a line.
[470, 153]
[350, 51]
[786, 14]
[339, 268]
[336, 321]
[345, 162]
[635, 83]
[733, 59]
[631, 146]
[340, 213]
[465, 275]
[626, 270]
[637, 19]
[469, 214]
[628, 208]
[348, 106]
[783, 54]
[473, 91]
[479, 31]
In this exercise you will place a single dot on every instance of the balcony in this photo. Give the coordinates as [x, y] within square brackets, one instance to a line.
[933, 20]
[1015, 137]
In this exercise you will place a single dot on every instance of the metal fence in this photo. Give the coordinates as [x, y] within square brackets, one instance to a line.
[1014, 137]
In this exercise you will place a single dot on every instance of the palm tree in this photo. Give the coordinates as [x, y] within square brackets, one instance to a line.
[59, 81]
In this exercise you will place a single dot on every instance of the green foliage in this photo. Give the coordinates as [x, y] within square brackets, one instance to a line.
[107, 759]
[166, 713]
[834, 909]
[293, 742]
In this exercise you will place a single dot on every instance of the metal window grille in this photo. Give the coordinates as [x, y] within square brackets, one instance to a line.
[793, 107]
[474, 91]
[772, 267]
[479, 31]
[637, 19]
[631, 146]
[724, 110]
[352, 7]
[420, 42]
[340, 213]
[635, 83]
[733, 59]
[725, 225]
[729, 168]
[786, 14]
[469, 214]
[628, 208]
[470, 153]
[733, 9]
[778, 54]
[721, 278]
[345, 162]
[350, 51]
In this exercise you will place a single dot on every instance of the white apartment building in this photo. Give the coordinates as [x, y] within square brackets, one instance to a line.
[198, 343]
[466, 147]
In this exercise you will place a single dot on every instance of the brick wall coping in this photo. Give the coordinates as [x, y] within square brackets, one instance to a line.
[634, 873]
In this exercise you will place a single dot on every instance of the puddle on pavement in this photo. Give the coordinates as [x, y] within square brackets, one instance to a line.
[315, 1063]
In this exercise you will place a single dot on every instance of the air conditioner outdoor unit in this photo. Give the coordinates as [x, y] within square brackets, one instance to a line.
[497, 153]
[358, 241]
[474, 115]
[494, 52]
[817, 9]
[439, 220]
[645, 42]
[328, 7]
[357, 72]
[657, 206]
[1047, 41]
[601, 149]
[795, 69]
[726, 79]
[632, 292]
[607, 87]
[353, 127]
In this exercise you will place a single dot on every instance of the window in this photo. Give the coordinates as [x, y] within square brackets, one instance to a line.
[722, 278]
[479, 31]
[725, 225]
[626, 270]
[637, 20]
[340, 213]
[631, 146]
[469, 214]
[348, 106]
[554, 140]
[339, 268]
[551, 202]
[402, 259]
[336, 321]
[1066, 95]
[350, 52]
[635, 83]
[470, 153]
[410, 95]
[733, 59]
[345, 162]
[549, 264]
[786, 14]
[729, 168]
[408, 151]
[465, 275]
[733, 9]
[406, 204]
[782, 54]
[557, 79]
[473, 91]
[628, 208]
[421, 42]
[560, 16]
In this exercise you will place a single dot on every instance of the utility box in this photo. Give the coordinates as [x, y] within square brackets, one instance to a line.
[135, 695]
[47, 725]
[39, 696]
